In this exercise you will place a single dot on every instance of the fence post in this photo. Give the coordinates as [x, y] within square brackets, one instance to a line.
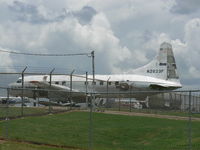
[50, 82]
[70, 94]
[86, 89]
[170, 101]
[181, 102]
[119, 104]
[130, 98]
[189, 124]
[38, 102]
[7, 112]
[185, 101]
[91, 123]
[22, 97]
[107, 90]
[196, 105]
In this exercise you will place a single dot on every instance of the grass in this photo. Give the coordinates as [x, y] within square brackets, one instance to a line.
[110, 132]
[16, 111]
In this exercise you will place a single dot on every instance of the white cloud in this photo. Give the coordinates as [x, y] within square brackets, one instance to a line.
[67, 36]
[192, 34]
[194, 72]
[6, 61]
[188, 52]
[124, 34]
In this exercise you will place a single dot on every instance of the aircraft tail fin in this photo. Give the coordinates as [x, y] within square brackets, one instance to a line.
[163, 66]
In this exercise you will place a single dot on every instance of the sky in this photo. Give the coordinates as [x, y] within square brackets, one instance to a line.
[124, 34]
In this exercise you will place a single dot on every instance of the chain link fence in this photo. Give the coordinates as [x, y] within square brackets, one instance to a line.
[164, 120]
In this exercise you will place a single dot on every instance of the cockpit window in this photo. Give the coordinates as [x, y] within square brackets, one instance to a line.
[19, 81]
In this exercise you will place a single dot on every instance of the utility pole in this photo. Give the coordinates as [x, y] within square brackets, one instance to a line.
[92, 98]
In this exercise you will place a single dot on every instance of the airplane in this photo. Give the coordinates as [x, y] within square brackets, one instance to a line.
[158, 75]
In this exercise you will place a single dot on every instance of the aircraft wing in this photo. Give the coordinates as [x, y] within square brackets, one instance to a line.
[59, 92]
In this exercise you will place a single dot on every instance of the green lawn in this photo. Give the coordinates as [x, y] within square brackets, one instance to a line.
[16, 111]
[110, 132]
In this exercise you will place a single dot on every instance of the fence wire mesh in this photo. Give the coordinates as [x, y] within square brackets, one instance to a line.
[167, 120]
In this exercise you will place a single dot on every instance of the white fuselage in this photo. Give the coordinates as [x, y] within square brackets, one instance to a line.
[112, 86]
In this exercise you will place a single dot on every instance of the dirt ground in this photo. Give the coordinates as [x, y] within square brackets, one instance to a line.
[150, 115]
[2, 141]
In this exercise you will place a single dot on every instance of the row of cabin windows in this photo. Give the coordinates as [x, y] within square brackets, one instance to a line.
[94, 83]
[57, 82]
[64, 82]
[102, 83]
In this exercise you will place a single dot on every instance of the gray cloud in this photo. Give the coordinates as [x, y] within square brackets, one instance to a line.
[30, 13]
[85, 14]
[26, 12]
[185, 6]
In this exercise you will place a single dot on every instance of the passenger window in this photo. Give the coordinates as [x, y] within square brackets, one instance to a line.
[56, 82]
[101, 82]
[163, 64]
[63, 83]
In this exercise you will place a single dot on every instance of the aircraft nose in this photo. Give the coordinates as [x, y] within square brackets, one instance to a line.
[13, 85]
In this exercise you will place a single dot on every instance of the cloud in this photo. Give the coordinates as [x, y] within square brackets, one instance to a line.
[6, 62]
[187, 52]
[192, 38]
[96, 36]
[192, 32]
[38, 33]
[185, 6]
[85, 14]
[25, 12]
[124, 34]
[194, 72]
